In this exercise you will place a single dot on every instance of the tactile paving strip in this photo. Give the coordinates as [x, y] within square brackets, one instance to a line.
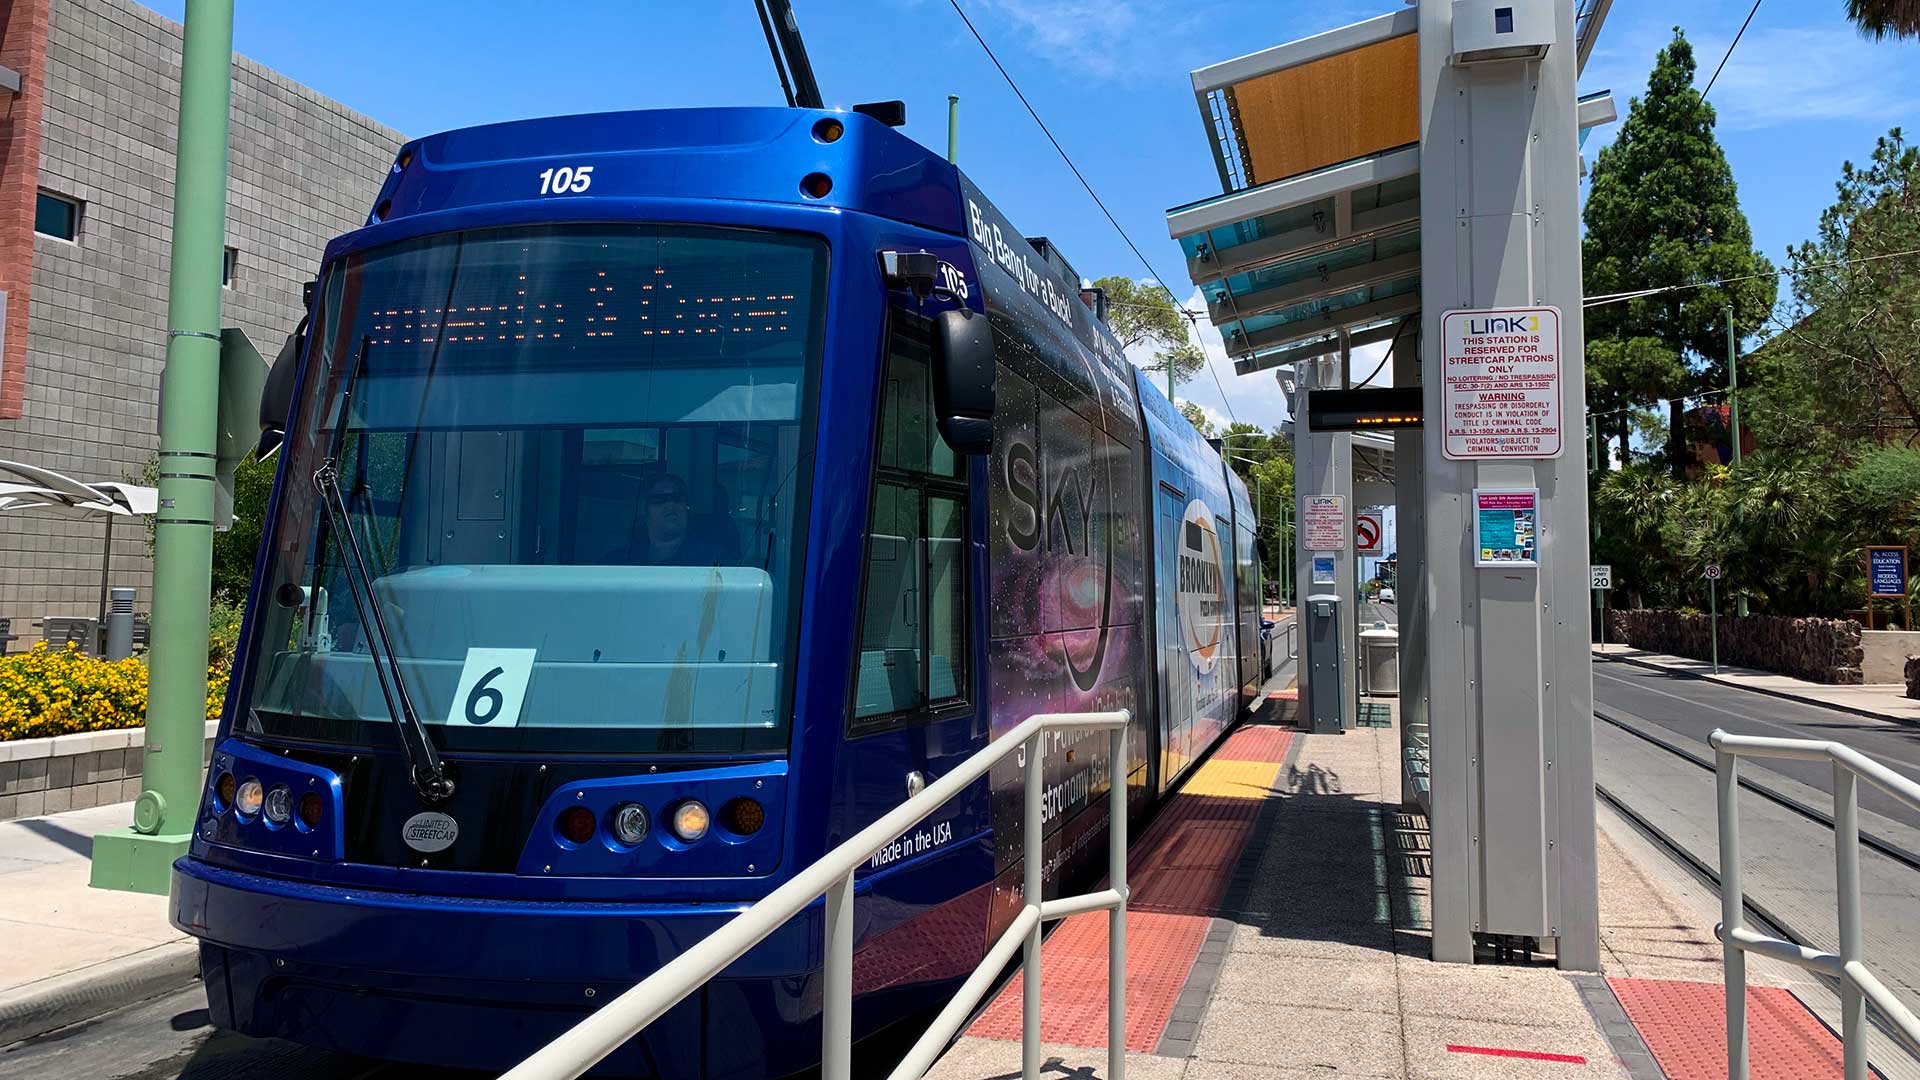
[1685, 1025]
[1263, 743]
[1178, 872]
[1184, 862]
[1073, 991]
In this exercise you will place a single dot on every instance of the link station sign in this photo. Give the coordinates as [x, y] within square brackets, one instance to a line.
[1500, 384]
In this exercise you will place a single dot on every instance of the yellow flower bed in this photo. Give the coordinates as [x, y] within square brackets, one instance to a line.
[47, 692]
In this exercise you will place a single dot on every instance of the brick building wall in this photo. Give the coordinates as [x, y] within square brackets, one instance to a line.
[303, 170]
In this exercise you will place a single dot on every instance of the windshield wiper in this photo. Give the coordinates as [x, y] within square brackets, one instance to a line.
[424, 767]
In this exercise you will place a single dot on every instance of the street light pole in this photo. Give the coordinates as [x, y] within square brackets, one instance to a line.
[140, 859]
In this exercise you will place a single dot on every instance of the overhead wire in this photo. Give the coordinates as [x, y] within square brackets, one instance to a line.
[1159, 279]
[1736, 40]
[1635, 294]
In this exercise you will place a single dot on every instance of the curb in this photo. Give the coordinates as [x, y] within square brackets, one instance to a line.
[42, 1006]
[1905, 721]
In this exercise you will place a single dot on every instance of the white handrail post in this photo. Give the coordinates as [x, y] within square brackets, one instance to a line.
[1846, 859]
[1032, 892]
[836, 1007]
[1732, 909]
[1117, 918]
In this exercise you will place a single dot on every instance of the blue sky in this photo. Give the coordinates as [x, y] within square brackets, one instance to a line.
[1802, 93]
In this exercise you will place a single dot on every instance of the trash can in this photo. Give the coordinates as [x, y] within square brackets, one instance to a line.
[1380, 660]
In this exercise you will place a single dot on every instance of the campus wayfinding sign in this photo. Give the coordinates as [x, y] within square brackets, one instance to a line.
[1500, 383]
[1887, 571]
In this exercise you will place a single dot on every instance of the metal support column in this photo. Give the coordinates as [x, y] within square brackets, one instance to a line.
[1323, 465]
[140, 859]
[1509, 663]
[1410, 576]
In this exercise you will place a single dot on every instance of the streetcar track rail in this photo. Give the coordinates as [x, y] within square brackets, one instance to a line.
[1762, 918]
[1902, 855]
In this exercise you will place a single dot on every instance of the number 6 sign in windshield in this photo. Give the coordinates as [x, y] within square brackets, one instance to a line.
[492, 686]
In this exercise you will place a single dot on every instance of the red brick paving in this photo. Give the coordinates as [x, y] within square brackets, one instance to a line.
[1685, 1025]
[1178, 870]
[1073, 990]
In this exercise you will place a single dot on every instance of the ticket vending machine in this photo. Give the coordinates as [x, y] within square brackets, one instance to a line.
[1326, 663]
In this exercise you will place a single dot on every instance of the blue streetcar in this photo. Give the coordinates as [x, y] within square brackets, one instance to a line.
[663, 497]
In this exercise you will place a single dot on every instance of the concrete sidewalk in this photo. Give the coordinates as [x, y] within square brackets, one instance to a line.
[73, 951]
[1881, 701]
[1322, 966]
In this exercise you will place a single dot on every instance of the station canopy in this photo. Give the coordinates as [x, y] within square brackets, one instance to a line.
[1316, 232]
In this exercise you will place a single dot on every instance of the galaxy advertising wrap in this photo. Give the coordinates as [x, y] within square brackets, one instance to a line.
[1065, 547]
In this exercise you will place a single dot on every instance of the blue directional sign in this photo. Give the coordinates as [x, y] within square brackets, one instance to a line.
[1887, 571]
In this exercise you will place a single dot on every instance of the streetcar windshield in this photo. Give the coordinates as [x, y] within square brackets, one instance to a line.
[572, 459]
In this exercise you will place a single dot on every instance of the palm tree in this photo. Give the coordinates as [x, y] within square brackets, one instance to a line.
[1880, 18]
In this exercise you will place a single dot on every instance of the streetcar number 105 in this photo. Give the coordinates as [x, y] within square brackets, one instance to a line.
[566, 178]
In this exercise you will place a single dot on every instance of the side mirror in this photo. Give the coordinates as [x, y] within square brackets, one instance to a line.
[963, 380]
[276, 395]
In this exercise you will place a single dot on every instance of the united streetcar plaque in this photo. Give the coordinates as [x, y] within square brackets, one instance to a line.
[1500, 383]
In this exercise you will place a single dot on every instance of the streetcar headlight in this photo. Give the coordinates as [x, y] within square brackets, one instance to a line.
[247, 800]
[630, 823]
[691, 820]
[279, 805]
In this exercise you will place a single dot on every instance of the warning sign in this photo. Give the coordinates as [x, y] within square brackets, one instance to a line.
[1366, 534]
[1323, 526]
[1500, 387]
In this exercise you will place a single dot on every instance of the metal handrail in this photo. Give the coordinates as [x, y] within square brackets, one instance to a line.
[600, 1034]
[1858, 985]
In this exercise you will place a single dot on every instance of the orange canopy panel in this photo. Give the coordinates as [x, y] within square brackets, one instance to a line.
[1330, 110]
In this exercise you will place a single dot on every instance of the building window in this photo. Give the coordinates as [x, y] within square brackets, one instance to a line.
[229, 262]
[56, 216]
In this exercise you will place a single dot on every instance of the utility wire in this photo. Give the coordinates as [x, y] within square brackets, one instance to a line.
[1158, 278]
[1635, 294]
[1736, 41]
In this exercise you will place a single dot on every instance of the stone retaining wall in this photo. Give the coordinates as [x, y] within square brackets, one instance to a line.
[74, 772]
[1818, 650]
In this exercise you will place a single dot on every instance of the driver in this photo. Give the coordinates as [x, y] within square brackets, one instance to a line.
[666, 533]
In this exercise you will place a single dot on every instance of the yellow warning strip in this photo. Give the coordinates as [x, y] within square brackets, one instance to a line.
[1234, 779]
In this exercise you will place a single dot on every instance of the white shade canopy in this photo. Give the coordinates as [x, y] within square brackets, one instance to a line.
[29, 487]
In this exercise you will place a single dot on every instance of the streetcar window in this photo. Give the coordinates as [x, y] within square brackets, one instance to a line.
[580, 447]
[913, 623]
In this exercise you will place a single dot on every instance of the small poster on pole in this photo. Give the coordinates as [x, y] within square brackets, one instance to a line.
[1506, 527]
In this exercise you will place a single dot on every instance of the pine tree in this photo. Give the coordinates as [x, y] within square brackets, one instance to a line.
[1663, 210]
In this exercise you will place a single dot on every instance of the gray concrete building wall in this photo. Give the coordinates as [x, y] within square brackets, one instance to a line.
[304, 169]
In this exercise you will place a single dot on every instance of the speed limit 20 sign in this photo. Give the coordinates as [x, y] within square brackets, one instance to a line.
[1602, 576]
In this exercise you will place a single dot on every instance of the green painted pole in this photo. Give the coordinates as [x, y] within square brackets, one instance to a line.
[953, 127]
[140, 859]
[1733, 415]
[1733, 385]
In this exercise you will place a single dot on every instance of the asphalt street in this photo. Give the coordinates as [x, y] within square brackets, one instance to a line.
[1686, 710]
[1692, 708]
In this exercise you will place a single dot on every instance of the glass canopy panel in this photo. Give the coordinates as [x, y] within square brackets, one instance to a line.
[1319, 264]
[1254, 324]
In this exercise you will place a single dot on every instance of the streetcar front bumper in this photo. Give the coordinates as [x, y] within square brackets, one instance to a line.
[481, 984]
